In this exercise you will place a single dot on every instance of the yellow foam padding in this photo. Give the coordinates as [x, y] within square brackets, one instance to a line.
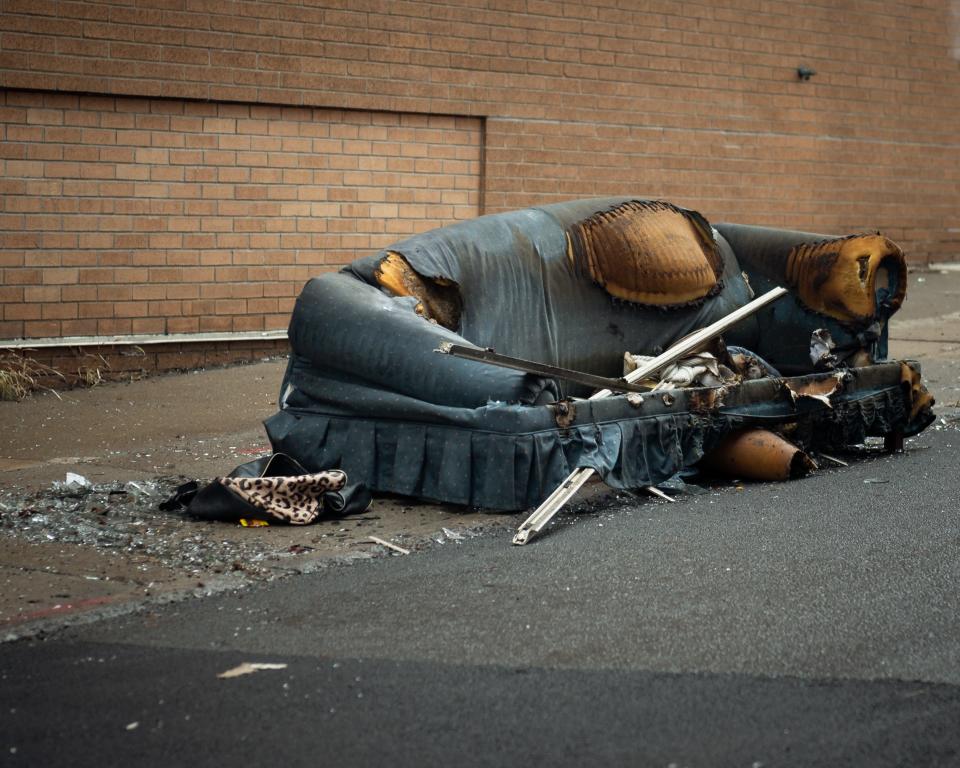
[649, 253]
[437, 298]
[394, 274]
[839, 277]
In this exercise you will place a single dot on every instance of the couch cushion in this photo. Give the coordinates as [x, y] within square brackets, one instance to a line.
[648, 252]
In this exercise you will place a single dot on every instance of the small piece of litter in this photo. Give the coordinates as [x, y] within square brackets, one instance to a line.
[875, 480]
[388, 545]
[452, 535]
[248, 668]
[73, 485]
[253, 523]
[834, 459]
[133, 726]
[658, 493]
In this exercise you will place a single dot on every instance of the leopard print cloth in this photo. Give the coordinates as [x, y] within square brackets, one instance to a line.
[295, 500]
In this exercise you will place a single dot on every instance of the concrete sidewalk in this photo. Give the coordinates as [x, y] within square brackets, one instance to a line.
[63, 555]
[927, 328]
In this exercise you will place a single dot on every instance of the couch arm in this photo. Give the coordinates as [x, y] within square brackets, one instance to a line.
[344, 324]
[855, 280]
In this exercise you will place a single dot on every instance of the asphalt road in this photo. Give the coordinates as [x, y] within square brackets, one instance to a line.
[809, 623]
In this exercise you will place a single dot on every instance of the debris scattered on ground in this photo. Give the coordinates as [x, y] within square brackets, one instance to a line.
[122, 521]
[389, 545]
[248, 668]
[124, 518]
[73, 485]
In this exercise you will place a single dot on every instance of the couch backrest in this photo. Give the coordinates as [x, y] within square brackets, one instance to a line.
[525, 292]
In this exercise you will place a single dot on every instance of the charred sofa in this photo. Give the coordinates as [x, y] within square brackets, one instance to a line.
[576, 285]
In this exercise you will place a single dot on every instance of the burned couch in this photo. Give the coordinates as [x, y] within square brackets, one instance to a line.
[575, 285]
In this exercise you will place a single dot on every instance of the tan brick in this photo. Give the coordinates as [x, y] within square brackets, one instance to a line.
[60, 311]
[95, 309]
[41, 329]
[130, 309]
[147, 292]
[78, 327]
[182, 325]
[21, 311]
[147, 325]
[79, 293]
[47, 294]
[248, 323]
[59, 276]
[213, 324]
[12, 294]
[45, 116]
[114, 327]
[152, 156]
[114, 293]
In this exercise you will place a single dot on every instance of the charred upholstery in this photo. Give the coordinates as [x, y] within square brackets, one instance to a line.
[649, 252]
[438, 299]
[846, 277]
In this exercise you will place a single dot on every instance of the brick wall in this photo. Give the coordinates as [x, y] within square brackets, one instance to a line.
[695, 102]
[135, 216]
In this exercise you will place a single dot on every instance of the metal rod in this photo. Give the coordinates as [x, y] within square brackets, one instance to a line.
[566, 491]
[834, 459]
[694, 340]
[540, 369]
[553, 504]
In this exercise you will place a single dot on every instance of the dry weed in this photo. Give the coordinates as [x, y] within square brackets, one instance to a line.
[91, 375]
[19, 376]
